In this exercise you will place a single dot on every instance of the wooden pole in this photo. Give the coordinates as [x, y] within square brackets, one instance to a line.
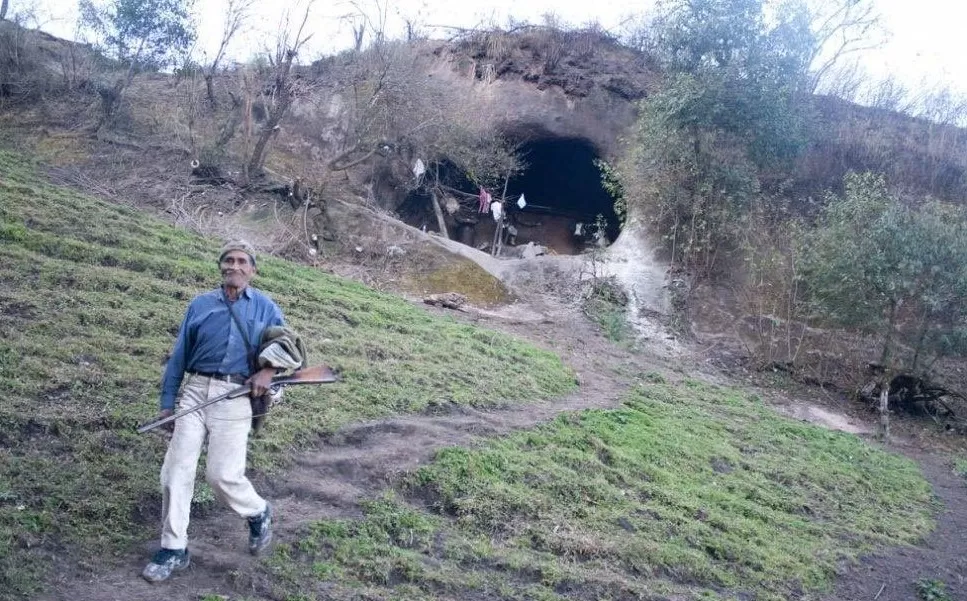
[498, 237]
[439, 214]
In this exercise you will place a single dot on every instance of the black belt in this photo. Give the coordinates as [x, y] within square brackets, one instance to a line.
[230, 378]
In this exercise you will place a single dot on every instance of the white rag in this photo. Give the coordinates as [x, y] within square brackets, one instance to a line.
[497, 209]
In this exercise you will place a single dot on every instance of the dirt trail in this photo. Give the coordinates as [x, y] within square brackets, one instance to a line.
[362, 459]
[892, 575]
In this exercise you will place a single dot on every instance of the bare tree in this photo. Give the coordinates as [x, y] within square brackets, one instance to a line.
[944, 106]
[889, 94]
[282, 93]
[839, 28]
[844, 81]
[235, 15]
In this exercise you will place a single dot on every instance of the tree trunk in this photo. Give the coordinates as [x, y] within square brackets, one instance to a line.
[884, 432]
[886, 361]
[3, 9]
[493, 245]
[210, 90]
[258, 155]
[275, 114]
[439, 214]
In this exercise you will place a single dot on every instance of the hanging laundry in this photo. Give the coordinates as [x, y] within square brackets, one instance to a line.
[485, 200]
[521, 202]
[579, 230]
[419, 168]
[497, 209]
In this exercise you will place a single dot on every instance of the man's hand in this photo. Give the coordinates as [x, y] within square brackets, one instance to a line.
[260, 381]
[170, 426]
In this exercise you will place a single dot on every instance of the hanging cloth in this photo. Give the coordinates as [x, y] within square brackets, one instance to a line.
[485, 200]
[497, 209]
[521, 202]
[419, 168]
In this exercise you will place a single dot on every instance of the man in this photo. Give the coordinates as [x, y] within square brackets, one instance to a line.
[213, 355]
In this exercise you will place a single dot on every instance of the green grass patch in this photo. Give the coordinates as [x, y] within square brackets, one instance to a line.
[929, 589]
[606, 304]
[91, 297]
[688, 491]
[960, 467]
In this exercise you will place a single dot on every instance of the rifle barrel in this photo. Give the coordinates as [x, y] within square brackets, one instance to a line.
[319, 374]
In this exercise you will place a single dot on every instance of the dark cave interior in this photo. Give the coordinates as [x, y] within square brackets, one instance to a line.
[563, 193]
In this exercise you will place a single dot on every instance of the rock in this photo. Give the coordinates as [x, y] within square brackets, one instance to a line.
[447, 300]
[531, 250]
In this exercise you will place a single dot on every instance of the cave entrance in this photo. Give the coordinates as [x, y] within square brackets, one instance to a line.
[565, 198]
[565, 202]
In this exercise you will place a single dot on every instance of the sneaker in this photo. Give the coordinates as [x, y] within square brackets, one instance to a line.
[164, 562]
[260, 531]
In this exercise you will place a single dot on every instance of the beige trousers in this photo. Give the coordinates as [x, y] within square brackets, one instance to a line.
[227, 424]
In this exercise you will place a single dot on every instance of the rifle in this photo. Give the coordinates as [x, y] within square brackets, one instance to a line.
[320, 374]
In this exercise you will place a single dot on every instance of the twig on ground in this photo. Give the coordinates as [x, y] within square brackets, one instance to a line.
[882, 588]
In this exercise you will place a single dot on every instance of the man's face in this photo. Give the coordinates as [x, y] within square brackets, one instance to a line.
[237, 269]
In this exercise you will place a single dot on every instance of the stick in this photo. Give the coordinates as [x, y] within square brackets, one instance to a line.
[880, 593]
[320, 374]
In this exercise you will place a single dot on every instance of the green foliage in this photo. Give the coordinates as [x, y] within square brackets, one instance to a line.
[606, 303]
[611, 182]
[142, 33]
[891, 269]
[960, 467]
[91, 300]
[769, 287]
[693, 184]
[932, 590]
[746, 71]
[689, 491]
[727, 111]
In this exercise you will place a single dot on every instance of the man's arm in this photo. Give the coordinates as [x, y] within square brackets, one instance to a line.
[261, 379]
[175, 368]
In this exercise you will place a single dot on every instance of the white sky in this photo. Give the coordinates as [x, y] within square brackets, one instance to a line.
[925, 47]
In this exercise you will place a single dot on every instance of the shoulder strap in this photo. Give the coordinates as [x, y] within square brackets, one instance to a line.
[241, 330]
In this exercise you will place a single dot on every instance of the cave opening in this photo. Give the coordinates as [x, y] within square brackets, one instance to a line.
[565, 199]
[566, 208]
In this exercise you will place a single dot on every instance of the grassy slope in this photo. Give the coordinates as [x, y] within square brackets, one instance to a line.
[688, 492]
[91, 295]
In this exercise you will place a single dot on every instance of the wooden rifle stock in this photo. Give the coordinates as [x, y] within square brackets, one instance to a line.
[319, 374]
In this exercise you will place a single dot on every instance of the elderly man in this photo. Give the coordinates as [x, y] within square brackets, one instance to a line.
[213, 354]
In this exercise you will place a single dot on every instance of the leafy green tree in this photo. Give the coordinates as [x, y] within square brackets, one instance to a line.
[142, 34]
[892, 270]
[889, 269]
[692, 182]
[743, 73]
[727, 111]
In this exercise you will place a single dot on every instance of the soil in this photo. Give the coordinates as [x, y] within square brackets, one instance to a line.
[893, 576]
[361, 459]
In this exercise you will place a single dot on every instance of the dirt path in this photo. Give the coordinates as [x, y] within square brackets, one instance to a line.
[892, 576]
[362, 459]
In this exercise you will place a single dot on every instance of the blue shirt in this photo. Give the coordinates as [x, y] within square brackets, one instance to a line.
[209, 339]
